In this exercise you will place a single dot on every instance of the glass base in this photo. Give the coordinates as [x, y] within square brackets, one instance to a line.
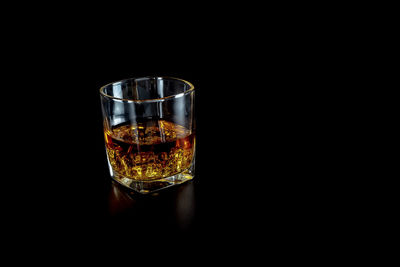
[146, 187]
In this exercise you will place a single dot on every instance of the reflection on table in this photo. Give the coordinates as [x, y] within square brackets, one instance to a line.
[172, 207]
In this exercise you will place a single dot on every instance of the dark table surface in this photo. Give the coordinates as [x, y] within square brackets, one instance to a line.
[247, 183]
[268, 167]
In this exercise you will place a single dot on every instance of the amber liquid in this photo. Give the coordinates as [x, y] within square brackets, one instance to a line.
[149, 150]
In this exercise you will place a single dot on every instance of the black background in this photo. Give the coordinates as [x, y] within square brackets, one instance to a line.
[251, 151]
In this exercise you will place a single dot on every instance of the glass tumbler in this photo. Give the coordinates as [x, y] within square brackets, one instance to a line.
[149, 132]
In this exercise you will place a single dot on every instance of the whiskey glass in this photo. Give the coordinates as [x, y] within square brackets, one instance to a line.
[149, 132]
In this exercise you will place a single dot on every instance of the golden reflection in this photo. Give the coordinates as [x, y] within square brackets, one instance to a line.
[177, 204]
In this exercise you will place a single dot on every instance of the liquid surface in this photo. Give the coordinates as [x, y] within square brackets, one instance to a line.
[150, 150]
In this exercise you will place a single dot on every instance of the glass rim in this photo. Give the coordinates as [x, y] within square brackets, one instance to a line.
[191, 89]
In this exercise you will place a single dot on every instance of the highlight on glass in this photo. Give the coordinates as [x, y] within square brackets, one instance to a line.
[149, 132]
